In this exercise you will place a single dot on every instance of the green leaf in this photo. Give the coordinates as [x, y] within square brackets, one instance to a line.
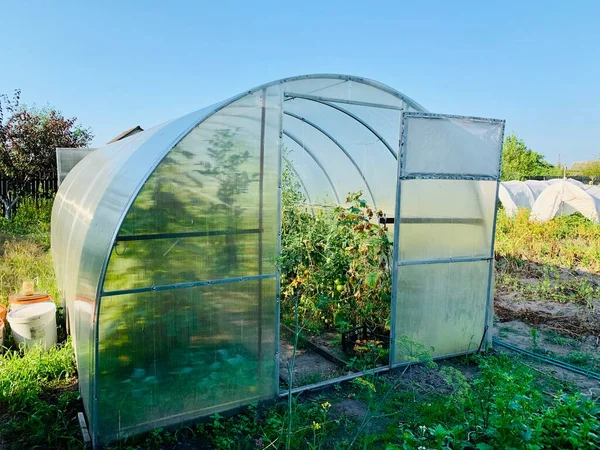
[484, 446]
[372, 279]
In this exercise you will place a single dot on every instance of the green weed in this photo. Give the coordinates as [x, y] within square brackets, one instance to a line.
[38, 392]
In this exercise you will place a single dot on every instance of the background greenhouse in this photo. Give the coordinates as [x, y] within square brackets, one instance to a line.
[551, 198]
[167, 244]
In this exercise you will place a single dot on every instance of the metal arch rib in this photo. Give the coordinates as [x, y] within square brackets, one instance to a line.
[335, 141]
[314, 157]
[353, 116]
[291, 166]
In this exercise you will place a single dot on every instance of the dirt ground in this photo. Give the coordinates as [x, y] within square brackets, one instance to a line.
[309, 367]
[569, 319]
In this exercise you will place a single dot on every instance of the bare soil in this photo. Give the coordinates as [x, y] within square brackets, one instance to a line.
[309, 367]
[569, 319]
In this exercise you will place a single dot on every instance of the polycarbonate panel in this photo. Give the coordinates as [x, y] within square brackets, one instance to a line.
[170, 356]
[351, 89]
[447, 145]
[446, 218]
[197, 219]
[368, 154]
[77, 252]
[209, 185]
[67, 158]
[441, 306]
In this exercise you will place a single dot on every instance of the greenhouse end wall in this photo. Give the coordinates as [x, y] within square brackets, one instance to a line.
[188, 309]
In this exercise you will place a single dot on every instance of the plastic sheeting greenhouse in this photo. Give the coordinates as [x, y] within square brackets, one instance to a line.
[564, 197]
[165, 243]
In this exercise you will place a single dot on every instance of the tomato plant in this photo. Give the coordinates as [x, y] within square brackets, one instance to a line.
[337, 261]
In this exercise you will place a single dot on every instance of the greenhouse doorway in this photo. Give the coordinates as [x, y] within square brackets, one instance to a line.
[439, 270]
[336, 241]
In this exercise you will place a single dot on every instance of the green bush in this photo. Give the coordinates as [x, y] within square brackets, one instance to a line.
[501, 408]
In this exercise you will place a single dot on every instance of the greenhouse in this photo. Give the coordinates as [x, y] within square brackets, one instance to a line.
[564, 197]
[519, 194]
[167, 243]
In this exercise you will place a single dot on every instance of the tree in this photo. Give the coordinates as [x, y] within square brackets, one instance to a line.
[28, 141]
[519, 162]
[592, 170]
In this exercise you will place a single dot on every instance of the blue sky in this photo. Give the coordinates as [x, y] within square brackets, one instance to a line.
[119, 64]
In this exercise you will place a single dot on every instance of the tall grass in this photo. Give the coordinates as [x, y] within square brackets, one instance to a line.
[24, 244]
[23, 259]
[570, 242]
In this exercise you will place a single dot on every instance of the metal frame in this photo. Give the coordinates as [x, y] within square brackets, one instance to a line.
[447, 176]
[293, 95]
[189, 284]
[261, 183]
[279, 233]
[402, 176]
[341, 147]
[422, 262]
[355, 117]
[489, 313]
[313, 156]
[429, 115]
[184, 234]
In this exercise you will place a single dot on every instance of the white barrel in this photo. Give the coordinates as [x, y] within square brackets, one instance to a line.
[34, 325]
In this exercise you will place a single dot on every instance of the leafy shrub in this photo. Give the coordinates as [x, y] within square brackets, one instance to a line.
[502, 408]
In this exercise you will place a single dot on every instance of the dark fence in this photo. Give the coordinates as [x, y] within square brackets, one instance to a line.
[41, 186]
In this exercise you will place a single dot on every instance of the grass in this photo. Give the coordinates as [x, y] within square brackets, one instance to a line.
[569, 242]
[544, 261]
[502, 406]
[39, 398]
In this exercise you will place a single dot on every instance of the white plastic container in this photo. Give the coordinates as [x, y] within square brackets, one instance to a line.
[34, 325]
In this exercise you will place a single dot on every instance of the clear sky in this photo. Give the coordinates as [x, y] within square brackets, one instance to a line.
[119, 64]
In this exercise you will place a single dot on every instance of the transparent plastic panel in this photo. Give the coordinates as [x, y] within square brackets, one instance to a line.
[441, 306]
[344, 176]
[197, 217]
[452, 146]
[351, 89]
[446, 219]
[67, 158]
[376, 162]
[175, 355]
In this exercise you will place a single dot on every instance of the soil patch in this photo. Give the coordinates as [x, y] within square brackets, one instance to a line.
[309, 367]
[570, 319]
